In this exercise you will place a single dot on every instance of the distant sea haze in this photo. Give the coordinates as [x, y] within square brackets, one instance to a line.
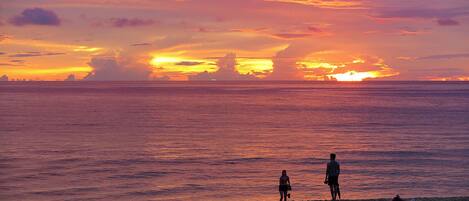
[230, 140]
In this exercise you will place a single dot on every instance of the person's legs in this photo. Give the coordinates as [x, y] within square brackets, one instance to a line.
[281, 195]
[337, 190]
[285, 195]
[333, 182]
[332, 191]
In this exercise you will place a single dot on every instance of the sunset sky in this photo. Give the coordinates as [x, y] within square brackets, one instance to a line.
[234, 39]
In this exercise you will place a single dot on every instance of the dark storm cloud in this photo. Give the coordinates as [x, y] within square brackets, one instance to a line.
[36, 16]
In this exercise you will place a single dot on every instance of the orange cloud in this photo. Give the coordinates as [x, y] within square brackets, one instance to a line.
[358, 69]
[226, 71]
[326, 3]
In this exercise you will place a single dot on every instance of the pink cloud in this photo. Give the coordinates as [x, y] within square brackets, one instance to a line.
[447, 22]
[110, 68]
[130, 22]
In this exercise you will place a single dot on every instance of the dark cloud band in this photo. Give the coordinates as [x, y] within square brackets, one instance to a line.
[36, 16]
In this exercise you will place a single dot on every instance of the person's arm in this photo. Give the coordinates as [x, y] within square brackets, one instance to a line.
[327, 173]
[338, 168]
[288, 180]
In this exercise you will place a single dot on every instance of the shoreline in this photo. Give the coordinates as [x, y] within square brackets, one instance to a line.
[409, 199]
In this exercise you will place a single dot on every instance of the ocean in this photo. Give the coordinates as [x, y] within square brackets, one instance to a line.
[126, 141]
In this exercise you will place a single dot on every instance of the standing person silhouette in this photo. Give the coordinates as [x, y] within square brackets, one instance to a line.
[283, 184]
[332, 176]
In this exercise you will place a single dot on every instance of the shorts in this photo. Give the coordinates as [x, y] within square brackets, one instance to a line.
[283, 188]
[333, 180]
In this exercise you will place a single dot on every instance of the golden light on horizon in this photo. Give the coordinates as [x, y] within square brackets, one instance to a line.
[319, 64]
[57, 73]
[177, 64]
[159, 60]
[341, 68]
[354, 76]
[249, 65]
[187, 65]
[326, 4]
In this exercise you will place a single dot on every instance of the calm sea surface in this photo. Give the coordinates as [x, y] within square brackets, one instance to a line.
[230, 140]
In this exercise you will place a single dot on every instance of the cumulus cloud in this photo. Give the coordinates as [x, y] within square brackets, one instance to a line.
[226, 71]
[130, 22]
[36, 16]
[112, 68]
[70, 77]
[285, 62]
[4, 78]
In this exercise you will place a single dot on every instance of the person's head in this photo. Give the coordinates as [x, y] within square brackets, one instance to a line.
[332, 156]
[284, 173]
